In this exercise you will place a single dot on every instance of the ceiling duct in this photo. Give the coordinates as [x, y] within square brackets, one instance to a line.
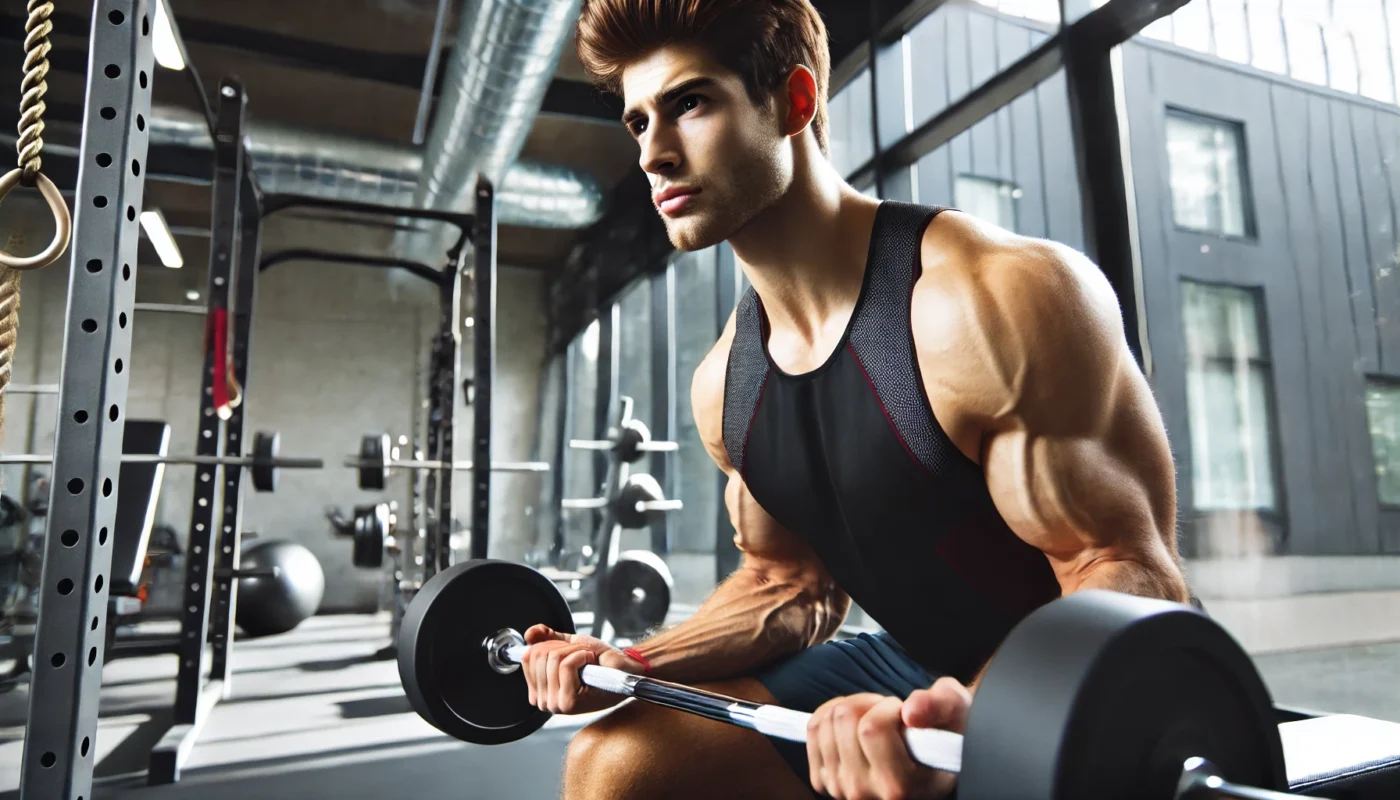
[505, 55]
[291, 160]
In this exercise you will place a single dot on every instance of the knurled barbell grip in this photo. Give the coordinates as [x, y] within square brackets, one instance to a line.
[935, 748]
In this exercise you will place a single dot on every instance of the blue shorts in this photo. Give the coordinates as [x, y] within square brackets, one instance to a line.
[868, 663]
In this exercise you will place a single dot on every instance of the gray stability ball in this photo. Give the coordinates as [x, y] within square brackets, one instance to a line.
[270, 605]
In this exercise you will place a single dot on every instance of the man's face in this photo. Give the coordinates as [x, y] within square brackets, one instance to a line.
[714, 159]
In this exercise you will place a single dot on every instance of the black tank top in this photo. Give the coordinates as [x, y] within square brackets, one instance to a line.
[850, 458]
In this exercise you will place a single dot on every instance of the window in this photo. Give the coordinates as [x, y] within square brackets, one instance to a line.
[1383, 413]
[1206, 166]
[1191, 27]
[988, 199]
[1039, 10]
[1228, 384]
[695, 477]
[851, 139]
[581, 479]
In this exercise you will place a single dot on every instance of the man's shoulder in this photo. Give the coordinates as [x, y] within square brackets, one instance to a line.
[998, 318]
[976, 273]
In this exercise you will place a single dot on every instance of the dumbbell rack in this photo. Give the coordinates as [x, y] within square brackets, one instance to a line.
[627, 442]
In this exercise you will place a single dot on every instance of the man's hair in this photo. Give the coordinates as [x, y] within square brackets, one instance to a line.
[760, 40]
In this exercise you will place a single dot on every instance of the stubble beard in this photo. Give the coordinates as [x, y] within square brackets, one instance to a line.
[727, 205]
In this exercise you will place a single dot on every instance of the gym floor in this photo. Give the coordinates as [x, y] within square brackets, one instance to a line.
[314, 714]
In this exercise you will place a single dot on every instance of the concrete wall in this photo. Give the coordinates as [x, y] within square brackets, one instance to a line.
[335, 354]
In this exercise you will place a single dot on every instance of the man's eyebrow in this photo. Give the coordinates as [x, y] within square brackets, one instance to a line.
[667, 96]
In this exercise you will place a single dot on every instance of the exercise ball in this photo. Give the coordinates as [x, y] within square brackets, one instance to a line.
[276, 604]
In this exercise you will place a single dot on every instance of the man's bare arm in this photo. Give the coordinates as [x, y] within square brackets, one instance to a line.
[780, 600]
[1022, 347]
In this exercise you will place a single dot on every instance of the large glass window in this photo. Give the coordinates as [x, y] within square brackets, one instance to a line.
[634, 378]
[988, 199]
[1228, 385]
[696, 481]
[581, 477]
[1206, 162]
[1383, 414]
[852, 139]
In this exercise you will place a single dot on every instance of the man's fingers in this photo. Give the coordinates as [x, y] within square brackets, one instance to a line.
[555, 657]
[541, 633]
[944, 705]
[814, 753]
[854, 768]
[881, 734]
[570, 681]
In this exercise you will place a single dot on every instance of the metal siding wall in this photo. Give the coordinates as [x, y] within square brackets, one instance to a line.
[1323, 198]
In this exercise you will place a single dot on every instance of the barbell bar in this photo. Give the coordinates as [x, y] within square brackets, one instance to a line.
[32, 388]
[1092, 696]
[377, 458]
[629, 442]
[264, 461]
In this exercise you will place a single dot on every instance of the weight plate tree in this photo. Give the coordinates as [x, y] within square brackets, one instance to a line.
[1093, 696]
[58, 742]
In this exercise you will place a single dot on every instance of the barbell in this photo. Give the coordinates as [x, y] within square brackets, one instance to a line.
[638, 504]
[264, 461]
[1094, 695]
[377, 457]
[629, 442]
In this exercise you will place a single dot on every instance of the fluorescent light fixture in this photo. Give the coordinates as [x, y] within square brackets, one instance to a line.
[153, 222]
[192, 295]
[470, 322]
[164, 46]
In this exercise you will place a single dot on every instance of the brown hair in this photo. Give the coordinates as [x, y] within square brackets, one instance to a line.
[761, 40]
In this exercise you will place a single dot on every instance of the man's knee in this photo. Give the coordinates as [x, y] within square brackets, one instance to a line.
[609, 757]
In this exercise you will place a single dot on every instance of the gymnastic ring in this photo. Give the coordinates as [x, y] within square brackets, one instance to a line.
[63, 223]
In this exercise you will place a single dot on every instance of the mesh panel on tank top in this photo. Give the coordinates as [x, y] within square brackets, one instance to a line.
[883, 342]
[744, 377]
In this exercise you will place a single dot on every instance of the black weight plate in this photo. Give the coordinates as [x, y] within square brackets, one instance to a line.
[374, 461]
[264, 449]
[632, 435]
[640, 487]
[1104, 695]
[442, 662]
[371, 528]
[638, 593]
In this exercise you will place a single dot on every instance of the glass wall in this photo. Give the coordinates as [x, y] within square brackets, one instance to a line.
[581, 475]
[1265, 153]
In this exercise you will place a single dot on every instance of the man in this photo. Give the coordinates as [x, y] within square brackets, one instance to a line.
[916, 410]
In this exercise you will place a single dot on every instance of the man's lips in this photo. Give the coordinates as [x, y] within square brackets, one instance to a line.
[674, 199]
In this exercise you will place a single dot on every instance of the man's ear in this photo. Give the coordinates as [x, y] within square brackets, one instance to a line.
[801, 100]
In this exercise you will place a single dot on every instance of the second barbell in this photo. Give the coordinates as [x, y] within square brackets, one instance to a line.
[377, 458]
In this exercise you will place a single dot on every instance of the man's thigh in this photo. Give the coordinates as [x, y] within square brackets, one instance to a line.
[868, 663]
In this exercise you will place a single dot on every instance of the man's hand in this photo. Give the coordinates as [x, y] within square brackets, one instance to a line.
[855, 745]
[553, 667]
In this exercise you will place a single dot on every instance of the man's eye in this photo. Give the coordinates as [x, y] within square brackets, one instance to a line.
[638, 128]
[689, 102]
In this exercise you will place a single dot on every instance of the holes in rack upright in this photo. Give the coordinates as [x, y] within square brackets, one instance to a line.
[112, 71]
[69, 538]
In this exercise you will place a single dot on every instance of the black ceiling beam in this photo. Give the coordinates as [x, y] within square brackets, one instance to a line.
[564, 97]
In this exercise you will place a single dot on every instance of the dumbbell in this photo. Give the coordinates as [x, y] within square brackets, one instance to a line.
[1094, 695]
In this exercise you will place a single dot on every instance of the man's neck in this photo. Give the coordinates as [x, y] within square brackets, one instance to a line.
[805, 255]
